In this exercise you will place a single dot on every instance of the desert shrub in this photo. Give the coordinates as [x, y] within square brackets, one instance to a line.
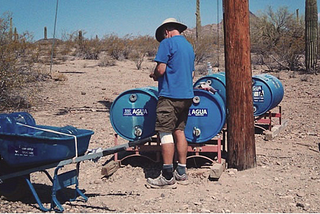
[147, 44]
[115, 46]
[280, 36]
[204, 47]
[69, 42]
[90, 48]
[142, 46]
[106, 60]
[137, 57]
[201, 70]
[76, 44]
[86, 48]
[17, 57]
[128, 46]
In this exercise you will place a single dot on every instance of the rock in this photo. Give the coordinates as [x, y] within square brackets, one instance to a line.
[197, 203]
[204, 210]
[299, 204]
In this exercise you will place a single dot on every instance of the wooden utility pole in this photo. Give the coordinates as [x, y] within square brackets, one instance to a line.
[240, 119]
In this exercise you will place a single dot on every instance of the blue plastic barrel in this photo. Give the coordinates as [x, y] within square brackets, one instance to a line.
[216, 81]
[206, 116]
[133, 113]
[267, 92]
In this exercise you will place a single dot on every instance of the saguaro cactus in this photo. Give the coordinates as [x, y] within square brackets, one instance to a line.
[198, 20]
[10, 30]
[15, 34]
[45, 33]
[311, 35]
[80, 36]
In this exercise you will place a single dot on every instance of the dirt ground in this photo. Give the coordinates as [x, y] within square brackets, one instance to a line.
[286, 178]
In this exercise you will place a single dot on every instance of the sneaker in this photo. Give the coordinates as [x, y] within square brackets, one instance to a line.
[181, 179]
[161, 183]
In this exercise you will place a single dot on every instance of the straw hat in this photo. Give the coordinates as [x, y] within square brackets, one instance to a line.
[159, 31]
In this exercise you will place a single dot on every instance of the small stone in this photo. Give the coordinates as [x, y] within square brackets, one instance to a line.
[185, 206]
[300, 194]
[97, 182]
[19, 210]
[197, 203]
[204, 210]
[300, 205]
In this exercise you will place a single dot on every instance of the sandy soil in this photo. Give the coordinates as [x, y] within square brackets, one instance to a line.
[286, 179]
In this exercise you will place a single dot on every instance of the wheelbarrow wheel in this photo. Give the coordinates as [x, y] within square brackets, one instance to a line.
[14, 189]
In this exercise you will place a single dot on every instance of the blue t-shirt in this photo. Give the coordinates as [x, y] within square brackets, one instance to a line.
[177, 53]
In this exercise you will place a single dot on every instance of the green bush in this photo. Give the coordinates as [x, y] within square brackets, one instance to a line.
[114, 46]
[17, 56]
[142, 46]
[279, 38]
[204, 48]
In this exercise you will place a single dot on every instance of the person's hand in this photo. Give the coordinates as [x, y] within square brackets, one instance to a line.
[153, 76]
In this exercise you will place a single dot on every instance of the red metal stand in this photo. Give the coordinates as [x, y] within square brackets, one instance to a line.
[194, 150]
[264, 121]
[210, 146]
[137, 151]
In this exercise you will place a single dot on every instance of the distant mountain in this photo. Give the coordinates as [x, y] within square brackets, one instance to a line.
[47, 41]
[213, 28]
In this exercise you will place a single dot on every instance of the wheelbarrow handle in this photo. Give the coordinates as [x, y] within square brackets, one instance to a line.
[139, 142]
[93, 156]
[123, 147]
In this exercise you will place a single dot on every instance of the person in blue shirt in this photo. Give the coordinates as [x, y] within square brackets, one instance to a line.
[174, 73]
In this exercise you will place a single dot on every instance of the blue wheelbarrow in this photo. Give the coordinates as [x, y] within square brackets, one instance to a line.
[26, 147]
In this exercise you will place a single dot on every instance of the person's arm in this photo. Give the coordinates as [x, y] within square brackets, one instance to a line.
[158, 71]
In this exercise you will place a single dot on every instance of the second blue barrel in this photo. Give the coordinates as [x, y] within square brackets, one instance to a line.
[216, 81]
[133, 113]
[206, 116]
[267, 92]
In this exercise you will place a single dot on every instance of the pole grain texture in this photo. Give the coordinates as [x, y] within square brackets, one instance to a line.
[240, 119]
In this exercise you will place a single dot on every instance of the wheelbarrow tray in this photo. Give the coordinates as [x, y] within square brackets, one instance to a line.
[38, 148]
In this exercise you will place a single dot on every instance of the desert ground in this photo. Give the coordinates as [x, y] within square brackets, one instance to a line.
[286, 178]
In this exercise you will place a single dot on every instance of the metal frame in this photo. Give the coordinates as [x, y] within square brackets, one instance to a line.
[153, 146]
[265, 120]
[59, 181]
